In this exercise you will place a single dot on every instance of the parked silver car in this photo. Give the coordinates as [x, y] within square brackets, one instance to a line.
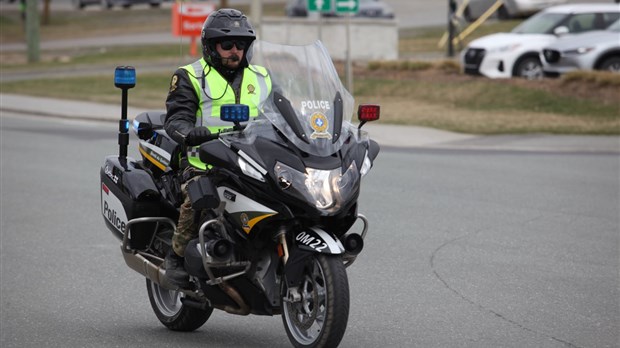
[595, 50]
[510, 8]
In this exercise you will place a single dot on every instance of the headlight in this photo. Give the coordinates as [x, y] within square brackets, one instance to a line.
[577, 51]
[327, 190]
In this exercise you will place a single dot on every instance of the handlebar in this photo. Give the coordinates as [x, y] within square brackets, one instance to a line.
[237, 127]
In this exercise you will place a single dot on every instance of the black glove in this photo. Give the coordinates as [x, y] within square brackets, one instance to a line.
[197, 136]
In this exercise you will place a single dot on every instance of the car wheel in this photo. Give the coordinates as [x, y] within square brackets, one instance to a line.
[611, 64]
[155, 4]
[502, 13]
[529, 68]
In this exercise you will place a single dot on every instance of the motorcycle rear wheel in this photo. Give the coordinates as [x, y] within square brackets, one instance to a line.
[171, 312]
[320, 318]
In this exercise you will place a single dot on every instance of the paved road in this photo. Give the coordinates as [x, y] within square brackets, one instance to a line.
[471, 248]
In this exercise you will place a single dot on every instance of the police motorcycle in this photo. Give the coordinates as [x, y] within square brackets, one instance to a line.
[280, 195]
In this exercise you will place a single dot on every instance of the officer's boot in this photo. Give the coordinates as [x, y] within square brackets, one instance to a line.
[175, 271]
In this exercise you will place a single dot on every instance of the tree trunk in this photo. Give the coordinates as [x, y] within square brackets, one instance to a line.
[46, 12]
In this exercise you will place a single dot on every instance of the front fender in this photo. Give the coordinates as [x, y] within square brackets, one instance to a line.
[307, 243]
[317, 240]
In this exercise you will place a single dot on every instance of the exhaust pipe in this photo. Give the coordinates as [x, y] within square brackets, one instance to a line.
[136, 261]
[147, 268]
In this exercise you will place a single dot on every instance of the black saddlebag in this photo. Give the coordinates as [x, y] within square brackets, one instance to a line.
[128, 192]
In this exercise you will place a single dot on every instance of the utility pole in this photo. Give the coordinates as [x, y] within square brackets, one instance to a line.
[32, 30]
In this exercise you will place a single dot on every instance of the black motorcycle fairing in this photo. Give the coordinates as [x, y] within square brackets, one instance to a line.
[217, 154]
[373, 149]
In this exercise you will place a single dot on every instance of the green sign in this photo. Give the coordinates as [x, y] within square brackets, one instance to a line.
[319, 5]
[347, 6]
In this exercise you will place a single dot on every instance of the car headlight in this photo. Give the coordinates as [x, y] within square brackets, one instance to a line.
[327, 190]
[578, 51]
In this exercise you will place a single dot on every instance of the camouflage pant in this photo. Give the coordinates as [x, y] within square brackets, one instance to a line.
[186, 226]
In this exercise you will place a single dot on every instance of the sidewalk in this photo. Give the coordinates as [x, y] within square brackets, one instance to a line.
[386, 135]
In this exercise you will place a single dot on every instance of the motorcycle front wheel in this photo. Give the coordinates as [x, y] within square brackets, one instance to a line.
[319, 318]
[171, 312]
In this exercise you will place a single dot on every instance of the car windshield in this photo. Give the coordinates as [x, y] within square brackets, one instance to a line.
[542, 23]
[615, 26]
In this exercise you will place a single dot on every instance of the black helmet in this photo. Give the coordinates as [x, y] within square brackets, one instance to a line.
[221, 25]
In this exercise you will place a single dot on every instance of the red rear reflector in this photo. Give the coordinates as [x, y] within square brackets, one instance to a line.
[368, 112]
[105, 189]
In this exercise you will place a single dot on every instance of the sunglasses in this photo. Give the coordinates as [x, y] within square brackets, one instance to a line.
[228, 44]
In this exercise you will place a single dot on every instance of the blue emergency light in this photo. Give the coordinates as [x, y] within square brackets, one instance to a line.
[234, 113]
[125, 77]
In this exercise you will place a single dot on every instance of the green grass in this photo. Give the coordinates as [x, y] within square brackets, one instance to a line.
[150, 91]
[486, 95]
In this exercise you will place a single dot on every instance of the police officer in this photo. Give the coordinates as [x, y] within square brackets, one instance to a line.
[222, 76]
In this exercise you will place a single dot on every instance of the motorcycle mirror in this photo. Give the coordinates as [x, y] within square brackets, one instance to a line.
[234, 113]
[368, 112]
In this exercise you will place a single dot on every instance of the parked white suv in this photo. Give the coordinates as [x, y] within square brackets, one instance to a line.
[509, 9]
[516, 54]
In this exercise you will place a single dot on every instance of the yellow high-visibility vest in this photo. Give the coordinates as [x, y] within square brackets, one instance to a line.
[254, 89]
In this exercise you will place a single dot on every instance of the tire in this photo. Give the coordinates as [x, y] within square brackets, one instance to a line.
[502, 14]
[611, 64]
[171, 312]
[529, 68]
[320, 318]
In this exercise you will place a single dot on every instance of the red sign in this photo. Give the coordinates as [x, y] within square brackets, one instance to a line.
[188, 18]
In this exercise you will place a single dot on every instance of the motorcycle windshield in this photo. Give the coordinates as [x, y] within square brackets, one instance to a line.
[308, 104]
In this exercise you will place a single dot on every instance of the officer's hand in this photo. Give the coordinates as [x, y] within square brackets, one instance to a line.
[197, 136]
